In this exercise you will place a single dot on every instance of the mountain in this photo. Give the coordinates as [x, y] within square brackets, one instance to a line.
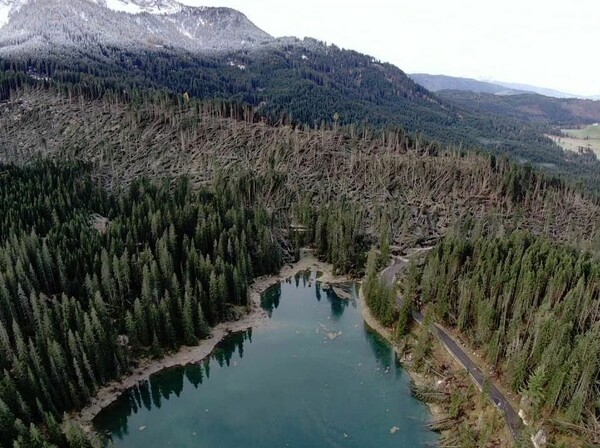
[98, 48]
[533, 108]
[551, 109]
[59, 26]
[539, 90]
[209, 53]
[436, 83]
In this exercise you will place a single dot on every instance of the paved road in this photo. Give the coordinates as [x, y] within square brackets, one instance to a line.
[513, 421]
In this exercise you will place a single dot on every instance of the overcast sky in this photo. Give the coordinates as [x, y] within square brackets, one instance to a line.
[549, 43]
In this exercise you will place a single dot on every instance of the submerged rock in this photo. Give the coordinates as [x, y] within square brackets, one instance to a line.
[334, 335]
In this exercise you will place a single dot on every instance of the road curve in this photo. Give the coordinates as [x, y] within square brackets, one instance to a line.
[513, 421]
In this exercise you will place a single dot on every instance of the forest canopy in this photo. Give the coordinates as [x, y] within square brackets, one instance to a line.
[90, 281]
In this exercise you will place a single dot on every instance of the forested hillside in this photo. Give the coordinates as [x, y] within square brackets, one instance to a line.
[129, 268]
[90, 281]
[418, 187]
[533, 309]
[529, 107]
[309, 83]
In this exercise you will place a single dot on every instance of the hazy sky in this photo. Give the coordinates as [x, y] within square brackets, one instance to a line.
[549, 43]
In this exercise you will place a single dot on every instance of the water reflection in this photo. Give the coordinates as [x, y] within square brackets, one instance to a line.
[224, 351]
[304, 277]
[338, 305]
[163, 385]
[269, 300]
[385, 355]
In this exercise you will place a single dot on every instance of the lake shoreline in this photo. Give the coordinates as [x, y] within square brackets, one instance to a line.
[256, 317]
[436, 411]
[186, 355]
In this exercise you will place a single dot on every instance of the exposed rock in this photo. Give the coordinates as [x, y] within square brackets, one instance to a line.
[523, 417]
[123, 340]
[525, 409]
[540, 439]
[340, 293]
[99, 223]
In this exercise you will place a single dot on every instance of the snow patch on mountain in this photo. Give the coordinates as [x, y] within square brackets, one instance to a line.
[142, 6]
[6, 9]
[51, 26]
[120, 6]
[4, 13]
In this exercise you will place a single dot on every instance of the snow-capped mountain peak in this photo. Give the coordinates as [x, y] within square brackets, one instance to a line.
[142, 6]
[37, 26]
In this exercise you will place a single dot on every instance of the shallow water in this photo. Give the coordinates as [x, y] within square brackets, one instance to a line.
[314, 376]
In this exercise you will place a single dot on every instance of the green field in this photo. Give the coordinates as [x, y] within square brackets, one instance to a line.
[590, 132]
[574, 139]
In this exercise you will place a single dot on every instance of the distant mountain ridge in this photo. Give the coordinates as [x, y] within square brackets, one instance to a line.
[436, 83]
[532, 107]
[539, 90]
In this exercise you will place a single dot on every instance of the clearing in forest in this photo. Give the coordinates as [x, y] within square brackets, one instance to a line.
[578, 140]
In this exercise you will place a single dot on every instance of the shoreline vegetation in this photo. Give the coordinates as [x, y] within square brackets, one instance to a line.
[441, 418]
[386, 333]
[463, 404]
[255, 317]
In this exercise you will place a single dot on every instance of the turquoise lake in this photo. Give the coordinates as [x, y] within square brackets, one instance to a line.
[313, 376]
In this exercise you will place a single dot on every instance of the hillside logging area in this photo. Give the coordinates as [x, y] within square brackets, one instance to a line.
[515, 267]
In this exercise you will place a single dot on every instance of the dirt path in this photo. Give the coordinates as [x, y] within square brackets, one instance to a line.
[188, 355]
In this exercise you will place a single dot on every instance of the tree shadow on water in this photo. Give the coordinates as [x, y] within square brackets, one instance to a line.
[338, 304]
[385, 355]
[269, 300]
[166, 384]
[224, 351]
